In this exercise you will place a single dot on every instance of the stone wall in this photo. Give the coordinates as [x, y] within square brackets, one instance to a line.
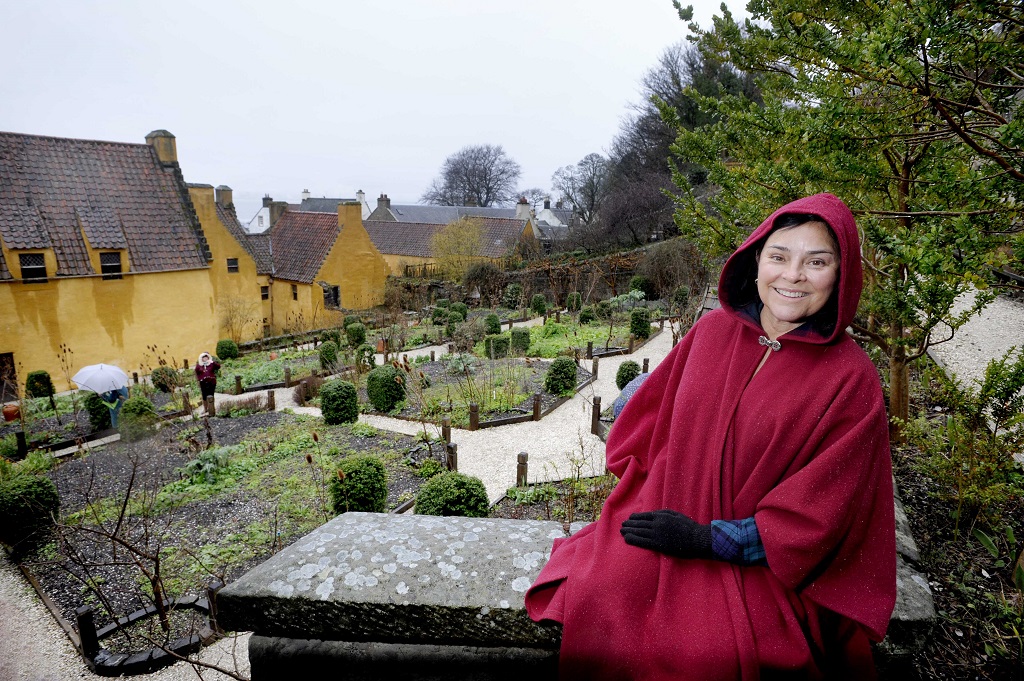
[421, 597]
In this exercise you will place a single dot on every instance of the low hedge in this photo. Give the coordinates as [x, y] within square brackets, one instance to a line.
[452, 494]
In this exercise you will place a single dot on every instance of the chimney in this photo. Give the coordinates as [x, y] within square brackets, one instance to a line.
[165, 146]
[559, 204]
[305, 194]
[224, 196]
[523, 209]
[547, 204]
[267, 200]
[361, 197]
[383, 202]
[277, 209]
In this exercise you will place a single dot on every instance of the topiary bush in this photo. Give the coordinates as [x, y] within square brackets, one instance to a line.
[561, 377]
[99, 413]
[587, 315]
[331, 335]
[628, 370]
[497, 346]
[538, 303]
[442, 302]
[38, 384]
[461, 308]
[351, 319]
[360, 485]
[574, 302]
[640, 323]
[138, 418]
[339, 402]
[512, 298]
[452, 494]
[28, 506]
[328, 353]
[356, 334]
[493, 324]
[453, 321]
[227, 349]
[603, 309]
[520, 339]
[385, 386]
[165, 378]
[645, 285]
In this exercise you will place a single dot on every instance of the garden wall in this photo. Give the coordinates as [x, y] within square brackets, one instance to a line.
[423, 597]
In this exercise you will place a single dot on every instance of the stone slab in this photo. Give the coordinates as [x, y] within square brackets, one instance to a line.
[410, 579]
[278, 658]
[905, 544]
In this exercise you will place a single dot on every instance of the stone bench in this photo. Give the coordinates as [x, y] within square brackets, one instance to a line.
[370, 596]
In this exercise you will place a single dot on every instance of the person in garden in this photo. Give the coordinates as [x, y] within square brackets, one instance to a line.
[206, 374]
[114, 400]
[752, 532]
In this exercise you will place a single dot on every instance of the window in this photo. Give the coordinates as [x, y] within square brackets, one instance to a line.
[233, 265]
[33, 266]
[260, 222]
[265, 292]
[110, 265]
[332, 296]
[295, 292]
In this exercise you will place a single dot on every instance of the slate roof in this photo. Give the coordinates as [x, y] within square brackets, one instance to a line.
[322, 205]
[440, 215]
[301, 241]
[52, 188]
[414, 238]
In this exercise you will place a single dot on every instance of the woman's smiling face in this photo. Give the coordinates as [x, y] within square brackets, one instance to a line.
[796, 272]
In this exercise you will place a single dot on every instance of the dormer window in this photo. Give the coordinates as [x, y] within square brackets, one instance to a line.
[33, 267]
[110, 265]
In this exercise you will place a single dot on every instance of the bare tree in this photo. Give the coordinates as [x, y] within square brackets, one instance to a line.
[584, 186]
[479, 175]
[236, 315]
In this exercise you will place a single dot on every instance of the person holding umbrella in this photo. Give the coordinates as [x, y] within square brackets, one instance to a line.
[206, 374]
[107, 381]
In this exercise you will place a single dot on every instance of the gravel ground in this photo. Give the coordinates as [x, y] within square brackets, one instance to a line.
[33, 648]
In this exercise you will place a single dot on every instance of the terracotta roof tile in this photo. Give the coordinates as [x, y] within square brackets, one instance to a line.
[102, 227]
[300, 242]
[62, 180]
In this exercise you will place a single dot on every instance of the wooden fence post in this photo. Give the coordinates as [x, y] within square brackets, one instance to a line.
[521, 467]
[184, 364]
[593, 368]
[271, 401]
[536, 406]
[87, 632]
[632, 340]
[211, 408]
[558, 316]
[474, 416]
[287, 377]
[446, 429]
[22, 444]
[452, 456]
[595, 417]
[590, 349]
[431, 355]
[238, 385]
[135, 377]
[647, 363]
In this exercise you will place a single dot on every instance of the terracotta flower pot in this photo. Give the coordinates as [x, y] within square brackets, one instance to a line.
[11, 412]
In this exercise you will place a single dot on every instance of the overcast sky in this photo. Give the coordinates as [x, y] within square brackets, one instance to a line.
[276, 97]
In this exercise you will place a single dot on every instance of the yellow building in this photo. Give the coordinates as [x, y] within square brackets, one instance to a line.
[102, 257]
[107, 255]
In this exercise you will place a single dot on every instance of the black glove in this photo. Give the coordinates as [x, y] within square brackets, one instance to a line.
[668, 532]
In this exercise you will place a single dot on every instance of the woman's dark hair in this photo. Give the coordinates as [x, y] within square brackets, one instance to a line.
[743, 288]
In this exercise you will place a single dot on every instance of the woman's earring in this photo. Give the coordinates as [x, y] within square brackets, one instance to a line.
[755, 280]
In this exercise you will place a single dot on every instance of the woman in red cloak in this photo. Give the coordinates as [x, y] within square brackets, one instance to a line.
[752, 532]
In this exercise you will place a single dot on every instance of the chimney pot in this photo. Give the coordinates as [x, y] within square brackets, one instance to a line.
[267, 201]
[224, 194]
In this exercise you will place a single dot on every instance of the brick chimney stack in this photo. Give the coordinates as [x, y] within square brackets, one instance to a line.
[523, 209]
[305, 194]
[267, 200]
[224, 196]
[547, 204]
[383, 201]
[165, 146]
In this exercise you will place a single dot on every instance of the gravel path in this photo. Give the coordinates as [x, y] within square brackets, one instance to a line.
[33, 647]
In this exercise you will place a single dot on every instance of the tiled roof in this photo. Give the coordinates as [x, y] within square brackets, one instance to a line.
[300, 242]
[256, 245]
[443, 215]
[102, 227]
[48, 184]
[414, 238]
[322, 205]
[4, 272]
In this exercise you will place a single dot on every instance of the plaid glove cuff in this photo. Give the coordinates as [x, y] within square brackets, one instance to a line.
[737, 541]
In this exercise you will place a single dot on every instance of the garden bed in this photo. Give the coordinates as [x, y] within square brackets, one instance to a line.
[269, 491]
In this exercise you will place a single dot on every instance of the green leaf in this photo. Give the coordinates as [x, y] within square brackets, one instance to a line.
[986, 541]
[1018, 577]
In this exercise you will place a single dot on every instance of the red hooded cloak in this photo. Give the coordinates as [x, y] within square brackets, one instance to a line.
[802, 446]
